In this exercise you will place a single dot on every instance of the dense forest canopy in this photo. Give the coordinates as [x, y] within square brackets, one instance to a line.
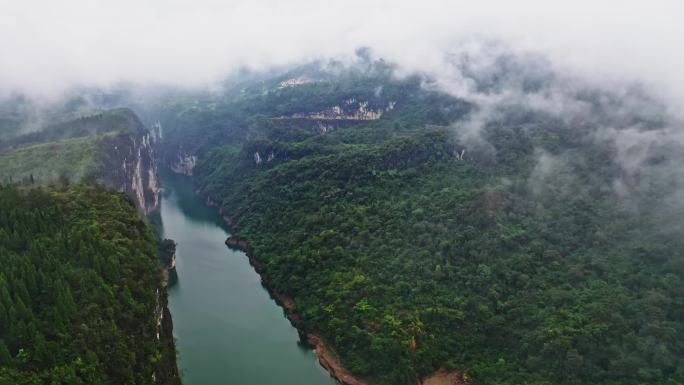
[464, 192]
[527, 231]
[516, 244]
[79, 288]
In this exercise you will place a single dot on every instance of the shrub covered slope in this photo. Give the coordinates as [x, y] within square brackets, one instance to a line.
[549, 252]
[79, 287]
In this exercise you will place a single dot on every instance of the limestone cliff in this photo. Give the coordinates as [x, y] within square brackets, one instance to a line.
[183, 164]
[129, 164]
[111, 147]
[351, 109]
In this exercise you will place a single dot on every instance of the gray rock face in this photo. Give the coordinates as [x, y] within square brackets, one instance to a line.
[184, 164]
[130, 166]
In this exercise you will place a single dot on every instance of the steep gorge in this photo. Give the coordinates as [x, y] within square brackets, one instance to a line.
[111, 147]
[114, 149]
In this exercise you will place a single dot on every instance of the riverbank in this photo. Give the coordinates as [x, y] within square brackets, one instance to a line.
[228, 330]
[326, 356]
[167, 372]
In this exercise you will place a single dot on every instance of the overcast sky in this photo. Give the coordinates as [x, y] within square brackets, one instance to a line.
[48, 45]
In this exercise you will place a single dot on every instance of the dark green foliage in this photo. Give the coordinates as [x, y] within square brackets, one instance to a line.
[121, 120]
[249, 107]
[166, 250]
[407, 259]
[78, 282]
[90, 148]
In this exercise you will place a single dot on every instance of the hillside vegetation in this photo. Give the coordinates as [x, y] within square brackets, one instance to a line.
[74, 159]
[540, 255]
[111, 147]
[121, 120]
[79, 288]
[74, 149]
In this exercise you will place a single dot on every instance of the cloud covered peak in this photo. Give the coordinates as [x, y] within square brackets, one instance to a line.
[48, 46]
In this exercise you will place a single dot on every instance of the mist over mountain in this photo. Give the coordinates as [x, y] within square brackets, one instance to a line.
[435, 192]
[50, 47]
[490, 81]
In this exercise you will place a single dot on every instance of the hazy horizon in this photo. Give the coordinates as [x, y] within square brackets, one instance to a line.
[51, 46]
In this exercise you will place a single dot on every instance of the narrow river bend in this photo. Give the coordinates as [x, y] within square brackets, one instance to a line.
[228, 330]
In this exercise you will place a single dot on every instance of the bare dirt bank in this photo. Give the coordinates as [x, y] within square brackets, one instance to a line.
[443, 377]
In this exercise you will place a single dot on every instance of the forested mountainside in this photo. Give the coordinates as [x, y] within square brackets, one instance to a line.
[112, 147]
[80, 285]
[308, 97]
[418, 231]
[525, 231]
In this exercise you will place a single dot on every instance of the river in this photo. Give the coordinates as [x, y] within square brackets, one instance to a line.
[228, 330]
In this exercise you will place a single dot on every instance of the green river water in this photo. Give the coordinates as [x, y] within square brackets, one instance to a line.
[227, 328]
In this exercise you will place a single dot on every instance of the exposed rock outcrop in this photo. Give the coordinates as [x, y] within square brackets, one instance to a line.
[258, 159]
[350, 110]
[111, 147]
[167, 371]
[328, 360]
[184, 164]
[130, 165]
[166, 249]
[293, 82]
[444, 377]
[236, 242]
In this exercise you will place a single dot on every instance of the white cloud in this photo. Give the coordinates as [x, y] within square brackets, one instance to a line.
[47, 45]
